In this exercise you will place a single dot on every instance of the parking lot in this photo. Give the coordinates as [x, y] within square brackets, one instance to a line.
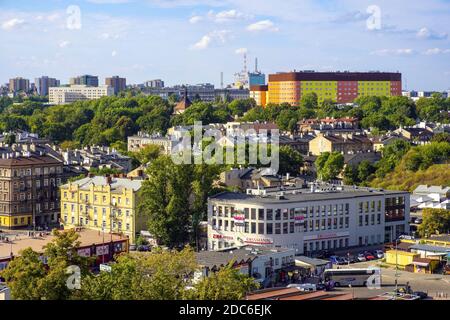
[435, 285]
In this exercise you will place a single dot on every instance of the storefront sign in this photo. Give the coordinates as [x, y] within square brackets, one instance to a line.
[102, 250]
[260, 241]
[326, 236]
[221, 236]
[86, 252]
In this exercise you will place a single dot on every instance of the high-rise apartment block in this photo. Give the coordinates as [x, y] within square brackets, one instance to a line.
[117, 83]
[43, 83]
[86, 80]
[19, 85]
[341, 87]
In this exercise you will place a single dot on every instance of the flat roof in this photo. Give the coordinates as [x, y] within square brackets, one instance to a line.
[336, 76]
[244, 254]
[311, 261]
[20, 241]
[426, 247]
[300, 195]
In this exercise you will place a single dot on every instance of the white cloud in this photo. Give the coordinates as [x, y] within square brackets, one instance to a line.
[226, 16]
[435, 51]
[108, 1]
[428, 34]
[241, 51]
[393, 52]
[64, 43]
[113, 53]
[195, 19]
[12, 23]
[218, 37]
[264, 25]
[53, 17]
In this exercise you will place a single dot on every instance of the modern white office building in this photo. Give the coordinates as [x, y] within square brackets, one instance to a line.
[64, 95]
[307, 220]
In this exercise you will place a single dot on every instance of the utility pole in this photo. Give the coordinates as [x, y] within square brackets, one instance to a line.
[396, 268]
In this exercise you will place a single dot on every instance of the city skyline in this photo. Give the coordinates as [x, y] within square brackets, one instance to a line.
[193, 41]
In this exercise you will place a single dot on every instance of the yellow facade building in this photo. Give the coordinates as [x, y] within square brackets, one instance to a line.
[400, 258]
[106, 204]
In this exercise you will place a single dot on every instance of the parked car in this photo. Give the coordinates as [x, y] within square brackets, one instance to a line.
[343, 260]
[369, 255]
[303, 286]
[418, 221]
[325, 254]
[143, 248]
[334, 259]
[379, 254]
[352, 259]
[406, 237]
[361, 257]
[422, 295]
[133, 247]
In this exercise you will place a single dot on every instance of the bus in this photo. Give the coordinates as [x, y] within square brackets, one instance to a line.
[353, 277]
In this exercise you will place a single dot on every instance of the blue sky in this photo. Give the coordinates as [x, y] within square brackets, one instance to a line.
[192, 41]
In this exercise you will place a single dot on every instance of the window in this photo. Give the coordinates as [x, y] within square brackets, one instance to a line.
[285, 228]
[291, 227]
[269, 228]
[277, 214]
[261, 214]
[261, 228]
[269, 214]
[253, 213]
[277, 228]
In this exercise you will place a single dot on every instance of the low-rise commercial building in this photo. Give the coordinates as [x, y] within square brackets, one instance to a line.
[307, 220]
[92, 244]
[103, 203]
[261, 263]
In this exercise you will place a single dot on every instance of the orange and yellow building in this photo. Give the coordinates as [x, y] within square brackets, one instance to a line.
[341, 87]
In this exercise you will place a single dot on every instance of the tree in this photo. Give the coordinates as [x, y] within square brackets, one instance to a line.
[148, 153]
[435, 221]
[159, 275]
[441, 137]
[10, 139]
[365, 171]
[329, 165]
[226, 284]
[30, 279]
[23, 275]
[290, 161]
[309, 101]
[165, 201]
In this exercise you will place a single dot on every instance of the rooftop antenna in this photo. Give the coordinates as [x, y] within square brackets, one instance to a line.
[256, 65]
[221, 80]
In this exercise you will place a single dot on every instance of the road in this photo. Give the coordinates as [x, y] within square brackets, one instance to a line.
[433, 284]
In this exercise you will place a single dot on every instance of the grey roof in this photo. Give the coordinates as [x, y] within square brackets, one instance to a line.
[312, 261]
[426, 247]
[302, 195]
[217, 259]
[432, 189]
[443, 238]
[116, 183]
